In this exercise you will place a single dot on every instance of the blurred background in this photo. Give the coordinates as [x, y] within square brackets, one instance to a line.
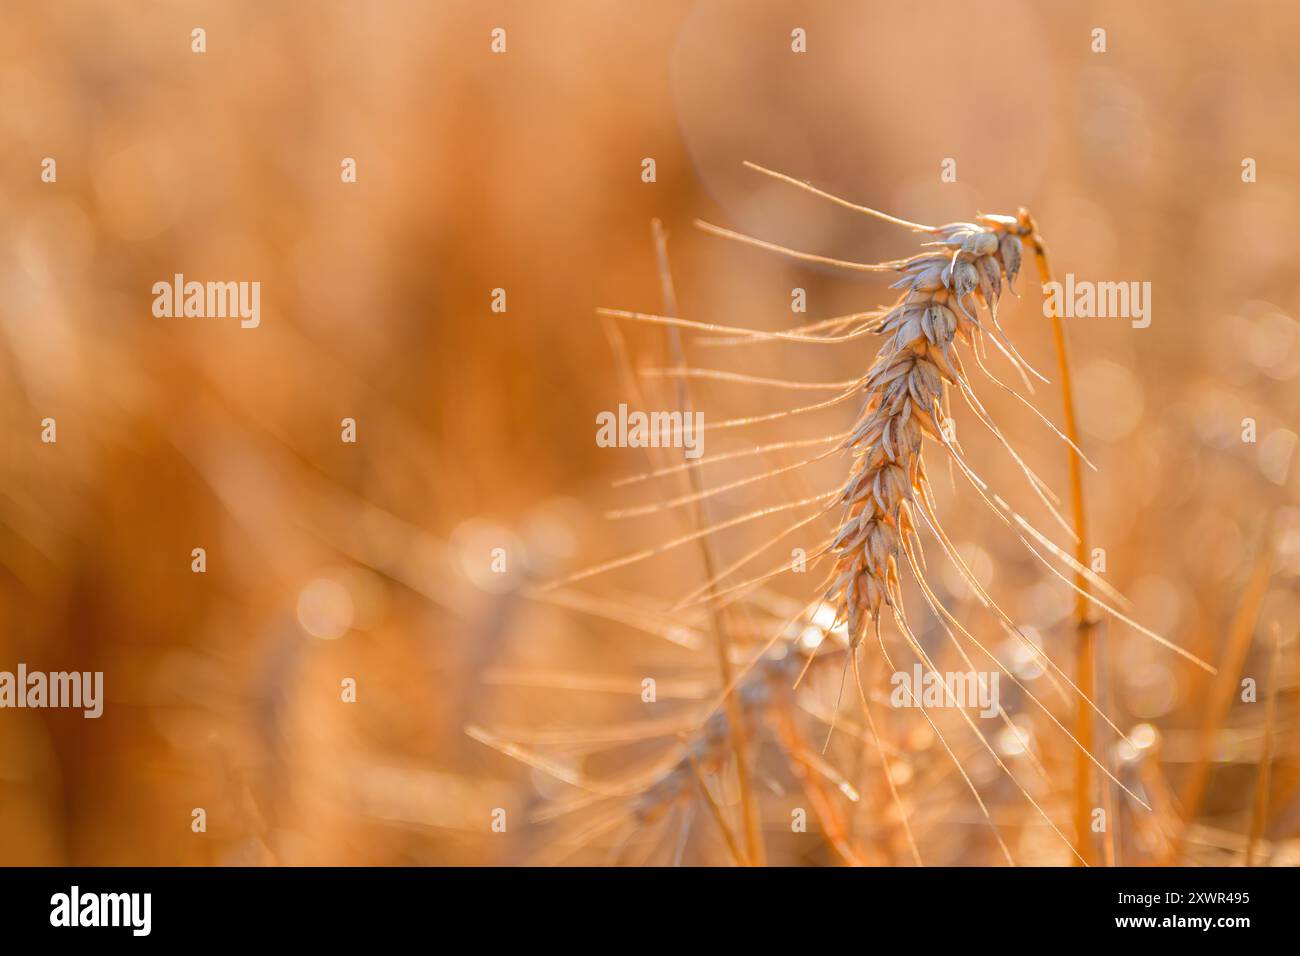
[523, 171]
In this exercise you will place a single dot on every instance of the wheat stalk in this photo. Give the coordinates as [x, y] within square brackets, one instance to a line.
[1085, 667]
[906, 392]
[906, 401]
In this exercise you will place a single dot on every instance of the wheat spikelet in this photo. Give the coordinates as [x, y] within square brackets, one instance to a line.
[907, 389]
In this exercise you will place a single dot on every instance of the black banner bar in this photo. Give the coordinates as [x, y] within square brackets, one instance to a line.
[547, 907]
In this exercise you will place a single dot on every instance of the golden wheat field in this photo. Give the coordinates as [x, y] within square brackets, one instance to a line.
[704, 432]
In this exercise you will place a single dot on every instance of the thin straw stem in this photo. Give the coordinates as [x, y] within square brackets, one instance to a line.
[754, 853]
[1218, 702]
[1259, 809]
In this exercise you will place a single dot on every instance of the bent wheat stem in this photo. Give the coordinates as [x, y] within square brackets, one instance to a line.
[1085, 636]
